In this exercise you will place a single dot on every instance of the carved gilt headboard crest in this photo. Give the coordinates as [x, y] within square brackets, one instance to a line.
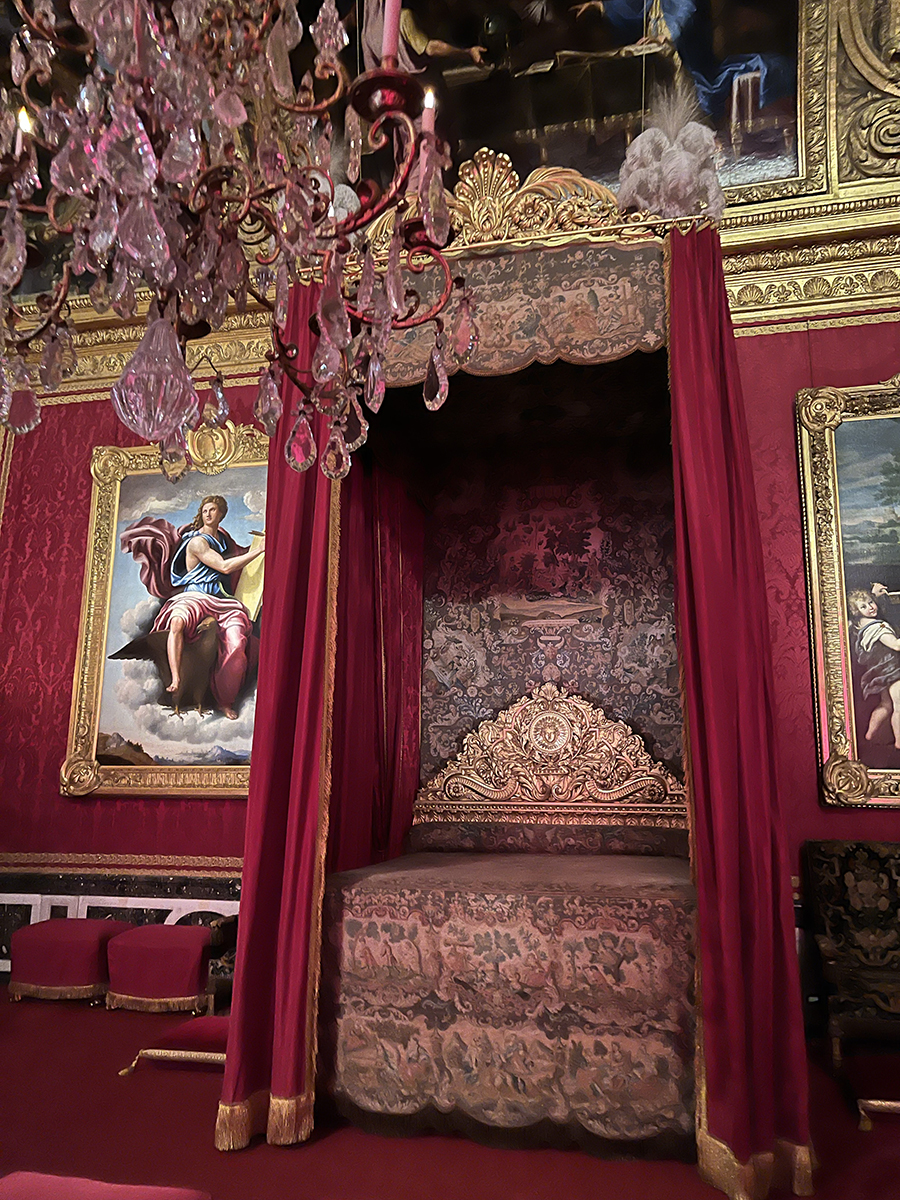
[554, 759]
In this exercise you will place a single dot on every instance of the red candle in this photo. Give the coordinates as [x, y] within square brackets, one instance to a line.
[390, 37]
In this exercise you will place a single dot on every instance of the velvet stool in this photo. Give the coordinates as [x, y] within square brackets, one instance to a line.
[61, 959]
[27, 1185]
[159, 968]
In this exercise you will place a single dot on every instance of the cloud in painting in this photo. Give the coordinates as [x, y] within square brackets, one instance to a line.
[255, 500]
[135, 622]
[187, 736]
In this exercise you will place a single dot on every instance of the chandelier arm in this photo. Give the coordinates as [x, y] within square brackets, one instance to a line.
[260, 298]
[35, 107]
[372, 205]
[61, 294]
[221, 172]
[417, 267]
[287, 353]
[53, 198]
[266, 218]
[85, 48]
[324, 70]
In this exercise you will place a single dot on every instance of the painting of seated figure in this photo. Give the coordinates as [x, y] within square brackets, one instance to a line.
[168, 684]
[563, 84]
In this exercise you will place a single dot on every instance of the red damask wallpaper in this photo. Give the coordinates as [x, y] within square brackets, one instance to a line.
[42, 552]
[773, 368]
[42, 547]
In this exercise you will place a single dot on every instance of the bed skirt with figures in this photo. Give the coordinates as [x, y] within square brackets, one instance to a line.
[516, 989]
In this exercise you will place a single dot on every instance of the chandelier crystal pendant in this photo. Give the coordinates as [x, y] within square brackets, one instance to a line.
[188, 142]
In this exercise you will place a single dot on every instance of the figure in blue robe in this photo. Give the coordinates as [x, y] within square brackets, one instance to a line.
[691, 29]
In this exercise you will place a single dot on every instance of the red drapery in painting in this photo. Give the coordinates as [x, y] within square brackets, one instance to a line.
[270, 1065]
[335, 754]
[375, 770]
[753, 1121]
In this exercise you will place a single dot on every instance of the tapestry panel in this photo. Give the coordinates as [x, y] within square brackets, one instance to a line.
[571, 584]
[582, 304]
[516, 989]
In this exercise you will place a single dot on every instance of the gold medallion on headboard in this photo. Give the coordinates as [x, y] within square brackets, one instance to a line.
[553, 759]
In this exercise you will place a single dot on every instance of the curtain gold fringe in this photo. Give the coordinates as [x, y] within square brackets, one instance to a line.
[787, 1166]
[285, 1120]
[84, 991]
[155, 1004]
[237, 1123]
[290, 1119]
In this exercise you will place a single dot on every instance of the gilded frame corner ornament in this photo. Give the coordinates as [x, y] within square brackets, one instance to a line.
[81, 774]
[846, 780]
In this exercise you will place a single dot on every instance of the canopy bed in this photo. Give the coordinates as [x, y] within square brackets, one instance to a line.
[337, 750]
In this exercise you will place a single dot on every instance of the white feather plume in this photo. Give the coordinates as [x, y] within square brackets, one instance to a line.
[670, 168]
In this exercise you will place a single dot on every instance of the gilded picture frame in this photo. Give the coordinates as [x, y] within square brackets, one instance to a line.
[849, 445]
[190, 747]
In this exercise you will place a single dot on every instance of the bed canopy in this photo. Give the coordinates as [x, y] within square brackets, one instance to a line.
[558, 274]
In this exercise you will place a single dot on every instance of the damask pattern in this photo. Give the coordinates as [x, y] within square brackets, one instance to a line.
[571, 585]
[856, 889]
[45, 527]
[516, 988]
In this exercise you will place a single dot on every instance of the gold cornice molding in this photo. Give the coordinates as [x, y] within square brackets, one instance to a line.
[119, 864]
[815, 280]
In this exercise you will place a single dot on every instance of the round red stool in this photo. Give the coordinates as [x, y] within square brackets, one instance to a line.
[61, 959]
[159, 968]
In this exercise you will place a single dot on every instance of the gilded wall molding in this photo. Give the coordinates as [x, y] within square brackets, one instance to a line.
[814, 280]
[26, 862]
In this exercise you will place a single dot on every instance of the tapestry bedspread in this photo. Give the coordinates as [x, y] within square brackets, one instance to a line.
[516, 988]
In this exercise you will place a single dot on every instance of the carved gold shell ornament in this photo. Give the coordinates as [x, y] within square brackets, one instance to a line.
[490, 206]
[554, 758]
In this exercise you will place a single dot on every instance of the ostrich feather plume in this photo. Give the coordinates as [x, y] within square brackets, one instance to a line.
[670, 168]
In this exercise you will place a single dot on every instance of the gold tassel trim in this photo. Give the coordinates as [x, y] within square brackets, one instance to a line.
[84, 991]
[788, 1166]
[290, 1119]
[156, 1005]
[192, 1056]
[237, 1123]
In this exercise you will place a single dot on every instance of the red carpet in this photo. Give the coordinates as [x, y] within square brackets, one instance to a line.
[65, 1110]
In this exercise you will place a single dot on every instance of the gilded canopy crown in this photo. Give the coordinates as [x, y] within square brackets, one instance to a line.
[553, 758]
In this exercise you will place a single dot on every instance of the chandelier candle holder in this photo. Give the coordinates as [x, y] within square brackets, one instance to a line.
[188, 162]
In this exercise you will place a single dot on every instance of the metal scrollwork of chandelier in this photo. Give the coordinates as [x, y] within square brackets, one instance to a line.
[186, 142]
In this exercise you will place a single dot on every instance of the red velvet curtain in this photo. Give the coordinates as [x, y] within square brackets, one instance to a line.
[379, 669]
[270, 1067]
[336, 743]
[754, 1111]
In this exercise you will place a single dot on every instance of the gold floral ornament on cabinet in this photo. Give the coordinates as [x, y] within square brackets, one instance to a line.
[135, 729]
[553, 758]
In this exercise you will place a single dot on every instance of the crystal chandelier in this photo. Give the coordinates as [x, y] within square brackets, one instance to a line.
[189, 163]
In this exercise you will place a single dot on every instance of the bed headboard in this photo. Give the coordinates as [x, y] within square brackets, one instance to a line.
[553, 759]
